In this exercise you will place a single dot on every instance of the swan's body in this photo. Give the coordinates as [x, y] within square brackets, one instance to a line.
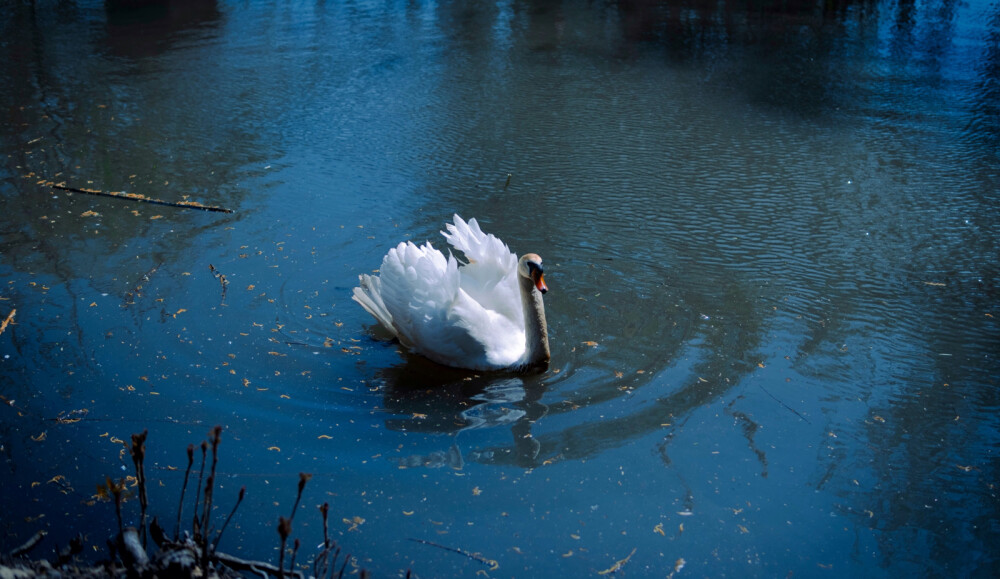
[485, 315]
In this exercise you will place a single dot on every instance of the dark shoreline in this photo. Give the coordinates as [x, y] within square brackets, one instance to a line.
[188, 553]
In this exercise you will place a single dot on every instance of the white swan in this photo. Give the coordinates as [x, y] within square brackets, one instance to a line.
[485, 315]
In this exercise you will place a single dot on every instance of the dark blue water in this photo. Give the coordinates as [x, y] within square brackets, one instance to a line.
[771, 238]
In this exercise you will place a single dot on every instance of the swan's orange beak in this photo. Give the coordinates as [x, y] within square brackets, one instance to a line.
[539, 280]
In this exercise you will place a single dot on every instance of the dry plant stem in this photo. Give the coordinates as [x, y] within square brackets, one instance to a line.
[295, 552]
[344, 566]
[303, 479]
[138, 458]
[284, 530]
[239, 499]
[325, 511]
[197, 496]
[320, 562]
[180, 507]
[216, 437]
[205, 531]
[116, 492]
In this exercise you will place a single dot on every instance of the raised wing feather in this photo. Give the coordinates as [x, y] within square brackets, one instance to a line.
[490, 276]
[467, 316]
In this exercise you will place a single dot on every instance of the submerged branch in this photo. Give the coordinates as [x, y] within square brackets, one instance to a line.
[491, 563]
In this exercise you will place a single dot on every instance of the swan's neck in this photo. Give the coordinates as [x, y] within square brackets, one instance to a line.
[536, 331]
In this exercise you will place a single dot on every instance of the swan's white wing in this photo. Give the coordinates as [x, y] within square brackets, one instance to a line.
[490, 277]
[469, 316]
[433, 316]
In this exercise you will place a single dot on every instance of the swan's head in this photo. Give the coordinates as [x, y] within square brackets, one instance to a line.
[530, 266]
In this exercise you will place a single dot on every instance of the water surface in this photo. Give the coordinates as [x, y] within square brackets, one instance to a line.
[770, 231]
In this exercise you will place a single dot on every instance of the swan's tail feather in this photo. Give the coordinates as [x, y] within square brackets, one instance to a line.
[369, 295]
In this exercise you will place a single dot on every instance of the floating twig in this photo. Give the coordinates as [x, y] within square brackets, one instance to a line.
[7, 320]
[72, 416]
[492, 563]
[618, 564]
[137, 289]
[138, 197]
[222, 280]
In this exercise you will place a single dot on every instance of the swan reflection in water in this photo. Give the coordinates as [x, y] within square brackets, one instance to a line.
[468, 404]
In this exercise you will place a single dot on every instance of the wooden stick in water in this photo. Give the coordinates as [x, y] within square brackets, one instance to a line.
[138, 197]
